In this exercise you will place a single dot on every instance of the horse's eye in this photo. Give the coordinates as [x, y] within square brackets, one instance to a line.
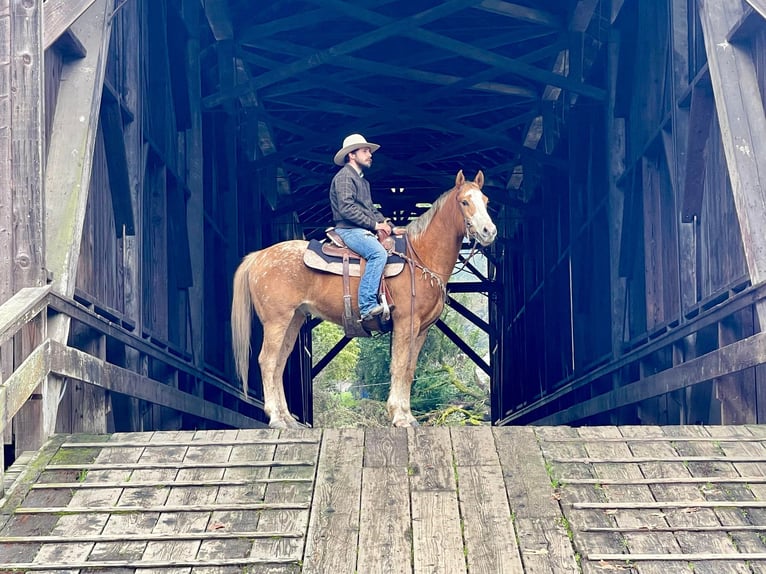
[465, 202]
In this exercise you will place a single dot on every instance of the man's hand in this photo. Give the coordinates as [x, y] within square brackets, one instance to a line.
[383, 229]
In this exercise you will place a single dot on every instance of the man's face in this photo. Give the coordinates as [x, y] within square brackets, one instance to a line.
[362, 156]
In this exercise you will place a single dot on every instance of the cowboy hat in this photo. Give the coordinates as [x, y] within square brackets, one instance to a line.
[353, 143]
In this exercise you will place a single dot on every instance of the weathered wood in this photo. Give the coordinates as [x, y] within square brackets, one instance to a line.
[385, 535]
[437, 541]
[743, 128]
[690, 495]
[489, 533]
[639, 543]
[20, 309]
[290, 489]
[334, 509]
[741, 355]
[702, 109]
[72, 363]
[70, 156]
[568, 496]
[385, 447]
[542, 538]
[59, 15]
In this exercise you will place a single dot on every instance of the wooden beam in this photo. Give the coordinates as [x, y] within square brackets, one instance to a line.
[743, 127]
[726, 360]
[20, 309]
[70, 362]
[514, 66]
[522, 13]
[329, 54]
[117, 163]
[700, 116]
[759, 6]
[68, 172]
[59, 15]
[26, 138]
[70, 156]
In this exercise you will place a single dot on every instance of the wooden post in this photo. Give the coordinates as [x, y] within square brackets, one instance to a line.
[26, 187]
[743, 129]
[68, 171]
[194, 206]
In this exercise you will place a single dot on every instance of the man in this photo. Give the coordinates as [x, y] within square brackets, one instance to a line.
[357, 221]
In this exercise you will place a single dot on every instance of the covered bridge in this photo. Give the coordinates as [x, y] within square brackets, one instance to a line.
[146, 145]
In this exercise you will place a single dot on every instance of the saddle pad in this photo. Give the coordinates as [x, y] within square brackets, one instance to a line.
[314, 257]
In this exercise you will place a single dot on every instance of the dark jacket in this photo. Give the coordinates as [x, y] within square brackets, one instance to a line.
[351, 200]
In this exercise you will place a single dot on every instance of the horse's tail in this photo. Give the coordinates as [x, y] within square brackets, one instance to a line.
[241, 317]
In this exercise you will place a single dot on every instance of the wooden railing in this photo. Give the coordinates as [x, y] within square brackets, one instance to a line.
[184, 387]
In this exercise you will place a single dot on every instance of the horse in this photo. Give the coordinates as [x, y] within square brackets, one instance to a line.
[283, 291]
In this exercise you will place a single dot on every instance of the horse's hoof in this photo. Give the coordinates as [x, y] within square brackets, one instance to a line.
[278, 424]
[405, 423]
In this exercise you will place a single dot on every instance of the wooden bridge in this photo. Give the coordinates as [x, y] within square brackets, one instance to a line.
[513, 499]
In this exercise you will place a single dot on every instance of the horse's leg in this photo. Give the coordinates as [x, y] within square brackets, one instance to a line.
[279, 337]
[404, 356]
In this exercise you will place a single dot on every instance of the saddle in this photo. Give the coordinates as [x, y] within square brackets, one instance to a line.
[332, 255]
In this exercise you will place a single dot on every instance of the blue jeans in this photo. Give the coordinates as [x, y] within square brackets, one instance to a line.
[367, 245]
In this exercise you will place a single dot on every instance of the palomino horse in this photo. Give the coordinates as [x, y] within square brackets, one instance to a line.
[284, 291]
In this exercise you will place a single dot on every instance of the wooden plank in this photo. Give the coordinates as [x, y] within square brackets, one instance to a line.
[27, 141]
[59, 15]
[6, 158]
[117, 159]
[743, 127]
[10, 523]
[23, 382]
[574, 519]
[70, 152]
[141, 523]
[543, 541]
[702, 109]
[522, 13]
[437, 542]
[681, 494]
[430, 464]
[296, 492]
[20, 309]
[85, 524]
[331, 545]
[70, 362]
[749, 525]
[175, 514]
[741, 355]
[488, 530]
[636, 542]
[385, 447]
[385, 536]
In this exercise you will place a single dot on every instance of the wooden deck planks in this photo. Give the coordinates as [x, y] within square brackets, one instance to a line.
[331, 544]
[489, 535]
[532, 500]
[636, 542]
[385, 530]
[690, 542]
[563, 443]
[543, 540]
[437, 541]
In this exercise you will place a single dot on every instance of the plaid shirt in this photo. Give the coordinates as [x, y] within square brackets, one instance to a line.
[351, 200]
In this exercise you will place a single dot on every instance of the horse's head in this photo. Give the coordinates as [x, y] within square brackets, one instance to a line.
[473, 205]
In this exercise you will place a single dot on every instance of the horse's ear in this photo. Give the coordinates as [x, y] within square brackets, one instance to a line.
[460, 179]
[479, 180]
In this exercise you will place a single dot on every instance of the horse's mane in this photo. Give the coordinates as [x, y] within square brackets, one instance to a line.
[417, 227]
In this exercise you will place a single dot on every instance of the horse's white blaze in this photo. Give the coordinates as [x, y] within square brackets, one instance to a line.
[480, 223]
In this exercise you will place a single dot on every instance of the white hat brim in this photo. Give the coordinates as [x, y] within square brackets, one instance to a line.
[340, 157]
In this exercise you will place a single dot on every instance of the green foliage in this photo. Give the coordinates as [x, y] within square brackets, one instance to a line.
[446, 389]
